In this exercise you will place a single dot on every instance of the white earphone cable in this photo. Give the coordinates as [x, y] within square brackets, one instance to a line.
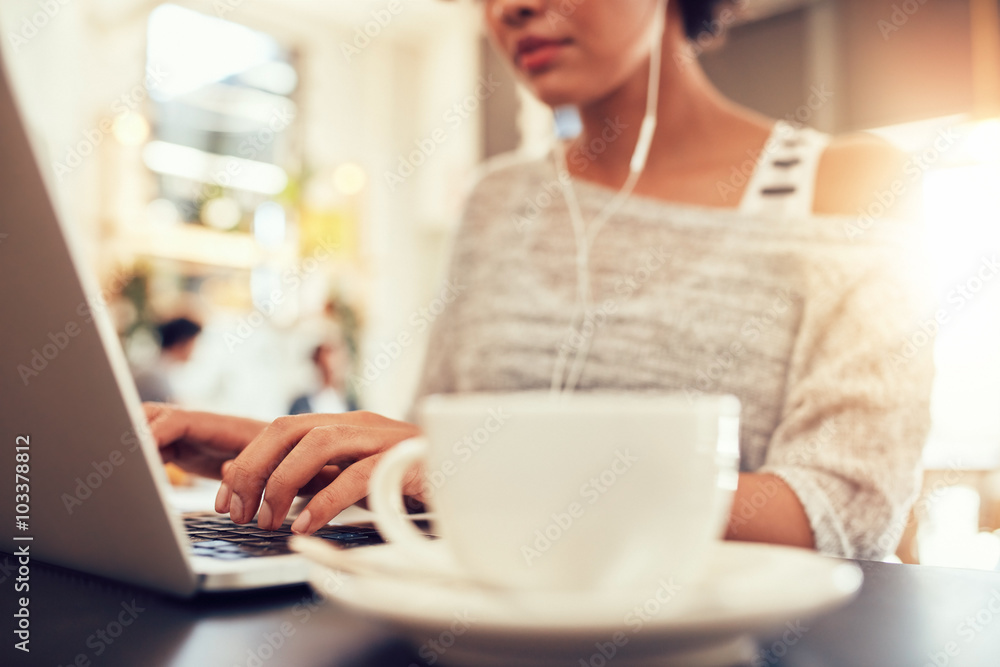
[584, 236]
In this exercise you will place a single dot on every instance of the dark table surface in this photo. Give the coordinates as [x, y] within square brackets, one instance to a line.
[907, 616]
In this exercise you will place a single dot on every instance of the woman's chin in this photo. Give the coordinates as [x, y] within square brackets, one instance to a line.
[556, 89]
[554, 96]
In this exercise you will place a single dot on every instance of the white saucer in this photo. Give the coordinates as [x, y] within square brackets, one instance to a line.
[747, 589]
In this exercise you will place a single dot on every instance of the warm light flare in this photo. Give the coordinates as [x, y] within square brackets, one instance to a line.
[984, 141]
[349, 178]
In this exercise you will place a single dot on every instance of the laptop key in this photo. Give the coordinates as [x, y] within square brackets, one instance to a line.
[345, 537]
[216, 536]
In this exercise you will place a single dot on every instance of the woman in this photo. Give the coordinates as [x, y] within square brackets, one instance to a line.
[710, 277]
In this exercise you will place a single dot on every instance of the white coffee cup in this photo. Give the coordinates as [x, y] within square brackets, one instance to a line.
[591, 492]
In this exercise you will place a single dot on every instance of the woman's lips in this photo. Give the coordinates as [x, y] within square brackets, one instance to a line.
[534, 54]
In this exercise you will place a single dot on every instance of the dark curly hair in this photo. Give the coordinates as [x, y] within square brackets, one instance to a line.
[699, 14]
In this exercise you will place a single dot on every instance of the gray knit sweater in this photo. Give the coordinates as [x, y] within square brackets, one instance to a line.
[813, 323]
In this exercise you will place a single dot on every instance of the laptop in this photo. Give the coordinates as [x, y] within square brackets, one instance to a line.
[88, 485]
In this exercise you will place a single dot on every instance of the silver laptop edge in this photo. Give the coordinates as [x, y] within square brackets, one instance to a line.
[96, 489]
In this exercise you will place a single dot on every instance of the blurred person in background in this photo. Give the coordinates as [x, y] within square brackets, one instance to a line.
[726, 265]
[177, 338]
[332, 361]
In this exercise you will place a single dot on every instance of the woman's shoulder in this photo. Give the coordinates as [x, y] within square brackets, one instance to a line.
[496, 192]
[862, 174]
[499, 188]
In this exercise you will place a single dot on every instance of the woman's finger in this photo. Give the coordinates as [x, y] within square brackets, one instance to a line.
[244, 482]
[167, 423]
[321, 480]
[311, 455]
[192, 432]
[349, 487]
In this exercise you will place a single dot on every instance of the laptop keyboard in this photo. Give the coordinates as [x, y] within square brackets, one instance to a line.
[216, 536]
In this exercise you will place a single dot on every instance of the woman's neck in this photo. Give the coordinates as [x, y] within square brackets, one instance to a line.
[688, 107]
[697, 128]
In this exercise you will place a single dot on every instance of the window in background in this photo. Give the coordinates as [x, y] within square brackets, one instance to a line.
[223, 216]
[959, 163]
[222, 117]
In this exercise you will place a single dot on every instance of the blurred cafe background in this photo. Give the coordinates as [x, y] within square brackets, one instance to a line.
[283, 176]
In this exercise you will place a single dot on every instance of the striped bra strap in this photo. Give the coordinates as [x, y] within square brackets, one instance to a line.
[784, 182]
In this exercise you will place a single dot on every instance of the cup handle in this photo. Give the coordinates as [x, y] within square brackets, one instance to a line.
[385, 497]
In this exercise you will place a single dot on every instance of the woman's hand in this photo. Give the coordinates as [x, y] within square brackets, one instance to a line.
[331, 455]
[199, 442]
